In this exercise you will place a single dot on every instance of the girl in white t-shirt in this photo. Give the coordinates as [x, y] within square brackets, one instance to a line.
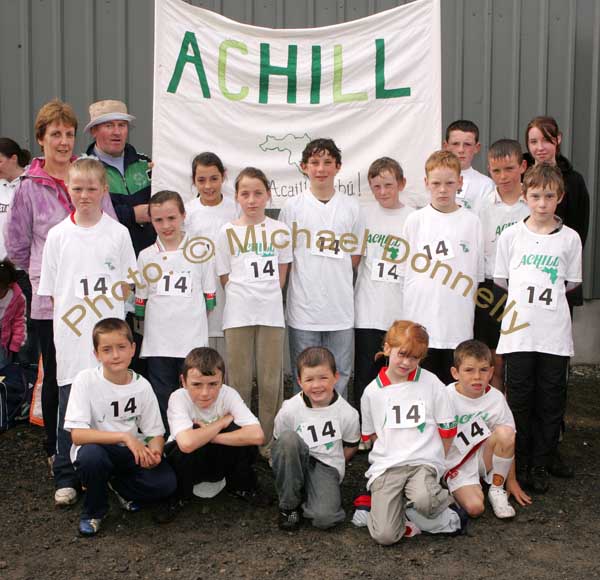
[253, 267]
[177, 290]
[204, 217]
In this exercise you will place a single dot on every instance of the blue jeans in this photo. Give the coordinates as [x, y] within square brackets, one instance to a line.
[299, 476]
[163, 374]
[99, 464]
[64, 473]
[339, 342]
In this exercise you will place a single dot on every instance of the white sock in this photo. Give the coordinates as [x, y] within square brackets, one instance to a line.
[500, 468]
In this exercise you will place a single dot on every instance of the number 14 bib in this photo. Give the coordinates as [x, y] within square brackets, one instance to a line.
[320, 432]
[405, 414]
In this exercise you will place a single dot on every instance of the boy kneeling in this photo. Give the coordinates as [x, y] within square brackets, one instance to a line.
[484, 446]
[316, 432]
[214, 436]
[117, 431]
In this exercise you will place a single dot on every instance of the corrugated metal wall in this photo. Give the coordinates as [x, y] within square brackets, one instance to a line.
[504, 61]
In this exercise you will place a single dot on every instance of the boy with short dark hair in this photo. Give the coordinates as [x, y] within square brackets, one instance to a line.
[485, 441]
[498, 212]
[538, 261]
[316, 433]
[214, 436]
[117, 432]
[320, 295]
[445, 264]
[462, 139]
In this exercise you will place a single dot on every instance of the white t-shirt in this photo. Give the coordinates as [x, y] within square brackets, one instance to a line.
[324, 429]
[537, 267]
[182, 413]
[490, 408]
[379, 284]
[496, 216]
[206, 221]
[476, 187]
[96, 403]
[320, 294]
[7, 192]
[409, 420]
[175, 319]
[455, 240]
[253, 294]
[80, 263]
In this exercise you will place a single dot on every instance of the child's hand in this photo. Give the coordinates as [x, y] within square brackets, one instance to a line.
[137, 448]
[513, 488]
[151, 458]
[226, 420]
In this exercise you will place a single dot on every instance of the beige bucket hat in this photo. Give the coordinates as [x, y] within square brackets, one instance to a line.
[108, 110]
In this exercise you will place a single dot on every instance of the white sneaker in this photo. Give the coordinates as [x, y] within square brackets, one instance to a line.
[498, 499]
[65, 496]
[360, 518]
[365, 445]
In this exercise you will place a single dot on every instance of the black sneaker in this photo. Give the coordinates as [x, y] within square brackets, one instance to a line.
[289, 520]
[464, 520]
[558, 468]
[254, 497]
[538, 479]
[168, 511]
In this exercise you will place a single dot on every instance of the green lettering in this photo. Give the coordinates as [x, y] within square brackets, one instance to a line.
[267, 69]
[380, 91]
[222, 69]
[189, 41]
[338, 71]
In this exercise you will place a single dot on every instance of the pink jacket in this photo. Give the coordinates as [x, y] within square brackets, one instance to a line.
[14, 328]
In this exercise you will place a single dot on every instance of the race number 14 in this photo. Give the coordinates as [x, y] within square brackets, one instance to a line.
[317, 433]
[405, 414]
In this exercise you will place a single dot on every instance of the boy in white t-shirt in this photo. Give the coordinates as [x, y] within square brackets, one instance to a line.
[501, 210]
[378, 291]
[117, 431]
[320, 295]
[462, 139]
[445, 264]
[407, 415]
[538, 261]
[214, 436]
[485, 441]
[316, 433]
[85, 267]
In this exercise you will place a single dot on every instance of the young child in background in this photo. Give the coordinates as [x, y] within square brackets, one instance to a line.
[253, 271]
[204, 217]
[485, 441]
[85, 265]
[538, 260]
[174, 301]
[117, 431]
[320, 295]
[462, 139]
[13, 328]
[407, 414]
[378, 291]
[499, 211]
[213, 433]
[445, 266]
[316, 434]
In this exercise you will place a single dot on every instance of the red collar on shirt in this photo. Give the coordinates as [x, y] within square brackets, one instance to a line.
[383, 380]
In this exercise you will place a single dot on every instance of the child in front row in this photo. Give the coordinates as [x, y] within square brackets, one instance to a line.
[378, 292]
[499, 211]
[485, 441]
[446, 264]
[316, 434]
[86, 262]
[173, 297]
[538, 261]
[213, 434]
[462, 139]
[253, 274]
[117, 431]
[407, 414]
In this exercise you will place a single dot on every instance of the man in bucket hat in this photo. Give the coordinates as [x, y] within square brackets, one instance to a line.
[126, 169]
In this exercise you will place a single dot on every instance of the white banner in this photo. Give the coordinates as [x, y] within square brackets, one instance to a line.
[256, 96]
